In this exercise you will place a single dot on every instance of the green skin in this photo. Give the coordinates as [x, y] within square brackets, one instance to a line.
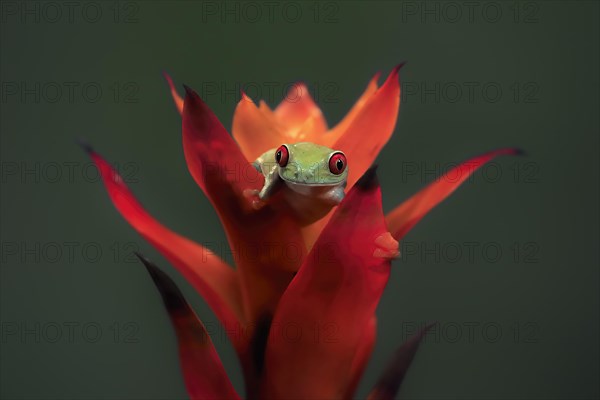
[314, 188]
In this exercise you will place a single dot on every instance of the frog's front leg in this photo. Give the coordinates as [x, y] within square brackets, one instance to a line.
[266, 165]
[271, 180]
[268, 169]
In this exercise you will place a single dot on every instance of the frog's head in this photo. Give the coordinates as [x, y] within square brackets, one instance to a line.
[310, 164]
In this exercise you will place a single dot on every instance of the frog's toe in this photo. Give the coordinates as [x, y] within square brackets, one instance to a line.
[252, 196]
[257, 204]
[386, 246]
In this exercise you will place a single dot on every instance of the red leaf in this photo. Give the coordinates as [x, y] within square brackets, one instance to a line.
[203, 373]
[401, 220]
[322, 315]
[206, 272]
[266, 243]
[361, 358]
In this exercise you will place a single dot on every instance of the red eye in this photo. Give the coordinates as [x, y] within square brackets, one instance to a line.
[282, 155]
[337, 163]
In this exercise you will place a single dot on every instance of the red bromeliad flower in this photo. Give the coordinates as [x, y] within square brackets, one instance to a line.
[333, 280]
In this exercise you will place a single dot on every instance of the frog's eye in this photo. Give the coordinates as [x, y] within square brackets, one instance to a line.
[282, 155]
[337, 163]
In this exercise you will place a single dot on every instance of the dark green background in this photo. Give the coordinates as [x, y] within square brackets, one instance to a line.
[550, 46]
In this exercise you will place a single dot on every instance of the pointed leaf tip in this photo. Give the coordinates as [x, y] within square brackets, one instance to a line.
[188, 90]
[393, 375]
[85, 145]
[396, 71]
[369, 179]
[172, 296]
[150, 267]
[142, 258]
[519, 152]
[510, 151]
[176, 97]
[245, 97]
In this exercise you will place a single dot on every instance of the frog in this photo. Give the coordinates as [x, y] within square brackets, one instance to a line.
[311, 177]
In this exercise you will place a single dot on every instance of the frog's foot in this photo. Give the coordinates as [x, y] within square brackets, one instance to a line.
[252, 197]
[387, 246]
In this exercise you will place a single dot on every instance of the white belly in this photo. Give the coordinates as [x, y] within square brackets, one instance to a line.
[308, 202]
[309, 190]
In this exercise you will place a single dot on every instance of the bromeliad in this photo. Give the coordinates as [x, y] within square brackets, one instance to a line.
[321, 270]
